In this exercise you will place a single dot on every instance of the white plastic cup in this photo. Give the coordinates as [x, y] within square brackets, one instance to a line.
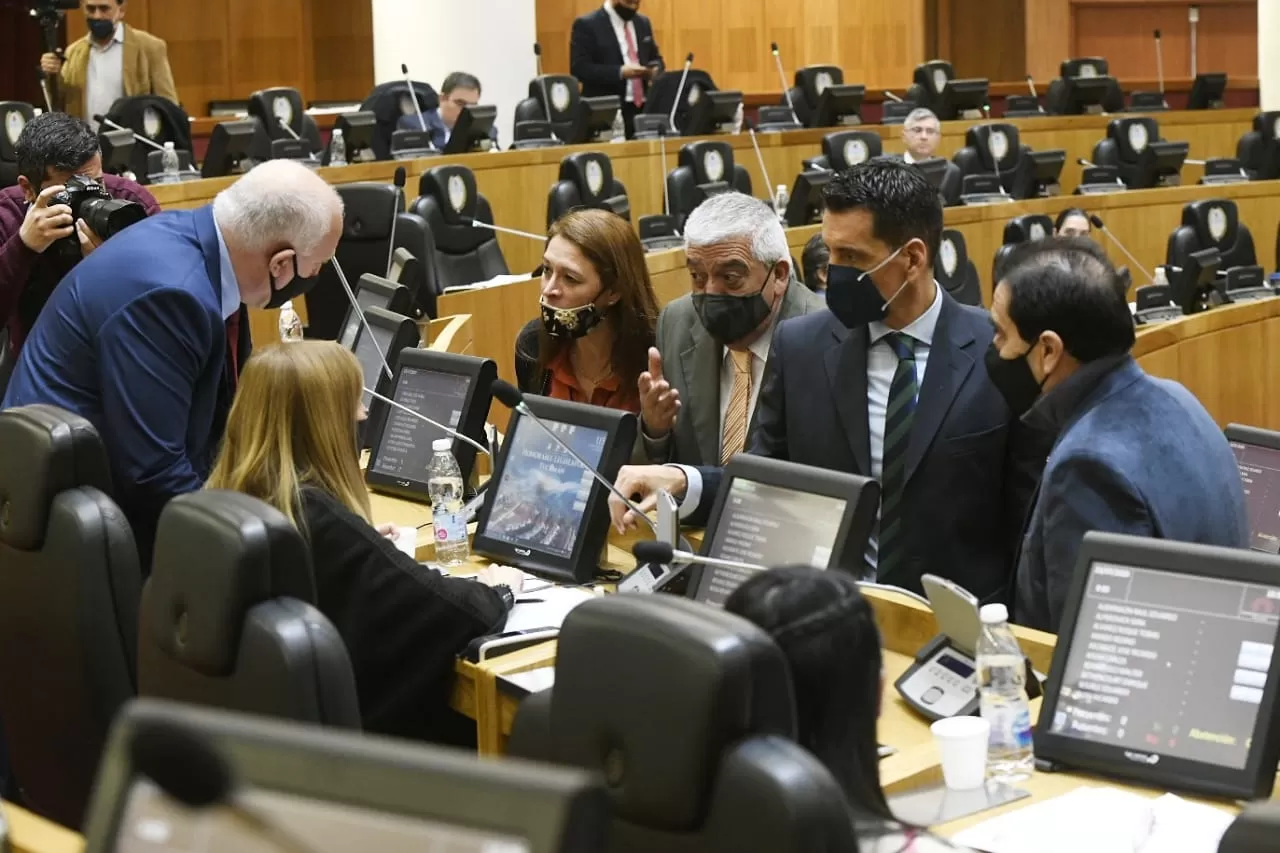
[962, 746]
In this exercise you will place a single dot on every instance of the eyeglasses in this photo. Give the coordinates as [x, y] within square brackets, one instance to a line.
[923, 131]
[460, 103]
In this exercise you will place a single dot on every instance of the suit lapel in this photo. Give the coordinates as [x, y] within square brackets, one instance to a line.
[846, 365]
[133, 77]
[610, 35]
[951, 357]
[701, 366]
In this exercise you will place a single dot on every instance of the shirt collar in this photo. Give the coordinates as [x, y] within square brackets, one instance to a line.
[759, 347]
[1056, 407]
[613, 16]
[230, 294]
[921, 329]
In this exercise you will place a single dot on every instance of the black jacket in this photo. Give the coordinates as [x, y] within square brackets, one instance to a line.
[403, 624]
[596, 59]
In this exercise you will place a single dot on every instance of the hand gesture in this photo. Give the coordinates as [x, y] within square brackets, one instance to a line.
[88, 240]
[641, 483]
[46, 222]
[659, 402]
[496, 575]
[629, 71]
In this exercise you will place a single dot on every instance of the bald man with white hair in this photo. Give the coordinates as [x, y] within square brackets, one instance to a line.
[145, 337]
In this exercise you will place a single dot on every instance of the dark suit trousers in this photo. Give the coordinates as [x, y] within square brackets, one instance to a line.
[629, 113]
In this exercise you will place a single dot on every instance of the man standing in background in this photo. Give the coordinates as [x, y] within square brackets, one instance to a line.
[112, 61]
[612, 52]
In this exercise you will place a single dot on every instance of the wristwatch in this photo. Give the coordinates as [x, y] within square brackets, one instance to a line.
[508, 597]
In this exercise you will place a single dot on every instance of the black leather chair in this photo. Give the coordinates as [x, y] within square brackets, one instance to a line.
[928, 82]
[704, 168]
[1020, 229]
[688, 713]
[228, 617]
[154, 118]
[586, 181]
[564, 93]
[388, 102]
[662, 94]
[1212, 223]
[1253, 831]
[273, 109]
[1085, 66]
[1129, 140]
[954, 271]
[810, 82]
[448, 201]
[14, 116]
[69, 590]
[366, 232]
[996, 149]
[1258, 150]
[423, 280]
[846, 148]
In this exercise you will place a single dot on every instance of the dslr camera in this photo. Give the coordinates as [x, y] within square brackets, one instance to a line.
[90, 201]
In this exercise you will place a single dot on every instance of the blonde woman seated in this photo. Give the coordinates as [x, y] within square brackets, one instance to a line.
[291, 442]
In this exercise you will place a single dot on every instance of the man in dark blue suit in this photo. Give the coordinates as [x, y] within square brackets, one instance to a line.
[460, 90]
[612, 52]
[890, 383]
[146, 336]
[1134, 454]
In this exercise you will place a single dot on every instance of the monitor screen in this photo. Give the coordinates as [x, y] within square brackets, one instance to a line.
[771, 526]
[1168, 663]
[1260, 474]
[367, 299]
[154, 823]
[405, 449]
[367, 351]
[541, 499]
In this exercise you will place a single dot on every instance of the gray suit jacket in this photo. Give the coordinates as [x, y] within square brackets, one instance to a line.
[691, 363]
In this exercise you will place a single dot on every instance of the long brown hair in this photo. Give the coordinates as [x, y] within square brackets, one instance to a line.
[293, 424]
[612, 247]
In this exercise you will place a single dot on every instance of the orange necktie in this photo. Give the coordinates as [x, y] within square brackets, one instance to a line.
[734, 436]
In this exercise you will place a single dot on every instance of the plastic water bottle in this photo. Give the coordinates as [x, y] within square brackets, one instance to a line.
[619, 127]
[337, 149]
[1002, 697]
[739, 117]
[1161, 278]
[781, 198]
[169, 163]
[444, 485]
[290, 324]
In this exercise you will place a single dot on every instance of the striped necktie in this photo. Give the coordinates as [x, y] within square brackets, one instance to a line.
[733, 437]
[897, 435]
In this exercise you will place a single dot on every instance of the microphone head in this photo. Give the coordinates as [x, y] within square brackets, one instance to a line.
[184, 765]
[652, 551]
[689, 58]
[98, 118]
[1157, 35]
[537, 49]
[506, 393]
[1096, 221]
[1083, 162]
[404, 69]
[401, 177]
[773, 46]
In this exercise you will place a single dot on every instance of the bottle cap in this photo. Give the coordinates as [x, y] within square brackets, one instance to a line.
[444, 445]
[993, 614]
[287, 306]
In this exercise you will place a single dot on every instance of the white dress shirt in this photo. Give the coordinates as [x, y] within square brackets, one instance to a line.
[620, 30]
[104, 84]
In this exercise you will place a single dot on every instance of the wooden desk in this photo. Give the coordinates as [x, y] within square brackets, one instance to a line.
[30, 833]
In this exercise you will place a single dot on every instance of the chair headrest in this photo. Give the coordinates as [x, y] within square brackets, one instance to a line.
[1084, 66]
[1266, 123]
[997, 144]
[1216, 222]
[934, 74]
[710, 161]
[1027, 228]
[850, 147]
[47, 451]
[813, 80]
[1133, 135]
[154, 117]
[14, 116]
[389, 101]
[280, 104]
[592, 173]
[563, 90]
[653, 689]
[454, 189]
[368, 209]
[218, 554]
[953, 255]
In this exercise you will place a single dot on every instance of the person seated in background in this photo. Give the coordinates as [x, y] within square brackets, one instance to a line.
[288, 444]
[814, 261]
[827, 632]
[40, 242]
[592, 340]
[921, 133]
[715, 340]
[460, 90]
[1072, 222]
[1134, 454]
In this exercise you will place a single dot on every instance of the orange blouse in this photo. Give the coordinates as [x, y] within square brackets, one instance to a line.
[608, 393]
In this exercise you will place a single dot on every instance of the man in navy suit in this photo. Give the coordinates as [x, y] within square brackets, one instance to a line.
[460, 90]
[890, 383]
[612, 52]
[145, 337]
[1134, 454]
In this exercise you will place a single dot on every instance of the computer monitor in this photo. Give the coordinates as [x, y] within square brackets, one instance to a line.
[1083, 95]
[404, 267]
[895, 112]
[1022, 106]
[471, 131]
[230, 149]
[934, 169]
[391, 334]
[714, 112]
[963, 99]
[1163, 669]
[325, 790]
[411, 144]
[358, 129]
[1195, 283]
[1160, 165]
[546, 514]
[290, 149]
[594, 122]
[839, 106]
[1045, 172]
[448, 388]
[373, 291]
[1207, 92]
[805, 205]
[774, 513]
[1258, 455]
[117, 151]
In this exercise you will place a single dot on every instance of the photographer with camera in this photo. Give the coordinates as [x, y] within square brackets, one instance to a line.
[62, 209]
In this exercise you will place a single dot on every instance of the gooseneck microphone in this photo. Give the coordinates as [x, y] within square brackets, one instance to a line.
[1159, 63]
[137, 137]
[1031, 84]
[529, 235]
[892, 96]
[413, 94]
[355, 306]
[511, 397]
[764, 172]
[1096, 221]
[400, 178]
[189, 770]
[782, 78]
[675, 105]
[664, 554]
[542, 84]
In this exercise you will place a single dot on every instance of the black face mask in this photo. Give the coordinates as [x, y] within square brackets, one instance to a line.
[1013, 379]
[570, 323]
[101, 29]
[626, 13]
[731, 318]
[852, 295]
[298, 286]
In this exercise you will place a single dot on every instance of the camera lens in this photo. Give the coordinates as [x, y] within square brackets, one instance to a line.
[108, 217]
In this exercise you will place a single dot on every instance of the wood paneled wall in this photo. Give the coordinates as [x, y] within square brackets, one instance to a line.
[982, 38]
[874, 41]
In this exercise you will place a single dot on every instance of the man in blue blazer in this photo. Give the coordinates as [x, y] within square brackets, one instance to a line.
[146, 336]
[460, 90]
[890, 383]
[1134, 454]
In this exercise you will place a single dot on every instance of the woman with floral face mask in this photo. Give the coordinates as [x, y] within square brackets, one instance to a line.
[598, 313]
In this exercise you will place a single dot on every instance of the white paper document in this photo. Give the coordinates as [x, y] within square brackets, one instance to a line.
[545, 608]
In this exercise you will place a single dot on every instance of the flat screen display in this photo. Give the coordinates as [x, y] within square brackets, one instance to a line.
[1168, 663]
[1260, 475]
[367, 299]
[367, 351]
[770, 526]
[405, 449]
[541, 500]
